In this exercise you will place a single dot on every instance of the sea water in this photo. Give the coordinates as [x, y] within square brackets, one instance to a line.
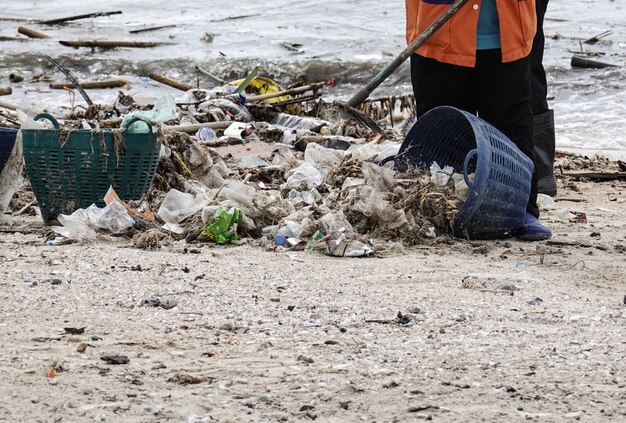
[348, 40]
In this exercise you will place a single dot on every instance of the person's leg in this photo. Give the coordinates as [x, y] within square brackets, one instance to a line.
[503, 92]
[503, 95]
[543, 117]
[441, 84]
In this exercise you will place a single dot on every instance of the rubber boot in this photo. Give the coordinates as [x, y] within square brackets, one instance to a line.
[544, 139]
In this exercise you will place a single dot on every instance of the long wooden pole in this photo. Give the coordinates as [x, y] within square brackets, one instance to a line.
[113, 44]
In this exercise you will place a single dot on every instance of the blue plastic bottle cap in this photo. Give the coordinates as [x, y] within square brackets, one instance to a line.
[280, 239]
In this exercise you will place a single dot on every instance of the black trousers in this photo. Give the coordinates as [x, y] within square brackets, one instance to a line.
[499, 93]
[539, 85]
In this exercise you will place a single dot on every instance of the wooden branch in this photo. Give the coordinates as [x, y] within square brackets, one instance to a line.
[109, 83]
[170, 82]
[6, 90]
[77, 17]
[154, 28]
[190, 129]
[113, 44]
[583, 62]
[602, 176]
[31, 33]
[296, 90]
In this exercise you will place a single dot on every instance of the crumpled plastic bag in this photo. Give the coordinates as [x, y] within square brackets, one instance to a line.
[83, 223]
[440, 176]
[222, 229]
[178, 206]
[164, 109]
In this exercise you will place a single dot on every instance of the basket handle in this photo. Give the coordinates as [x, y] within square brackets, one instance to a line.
[136, 119]
[51, 118]
[466, 163]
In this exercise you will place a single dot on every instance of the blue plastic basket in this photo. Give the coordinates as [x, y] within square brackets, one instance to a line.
[7, 141]
[498, 197]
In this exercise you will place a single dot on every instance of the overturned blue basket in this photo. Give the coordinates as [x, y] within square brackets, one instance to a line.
[496, 204]
[7, 141]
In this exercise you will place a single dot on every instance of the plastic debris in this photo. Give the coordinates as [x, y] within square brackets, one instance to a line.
[223, 228]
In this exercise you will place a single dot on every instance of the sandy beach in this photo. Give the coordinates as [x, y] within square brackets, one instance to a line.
[453, 331]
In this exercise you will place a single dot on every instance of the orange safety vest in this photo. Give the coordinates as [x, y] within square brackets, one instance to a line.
[455, 41]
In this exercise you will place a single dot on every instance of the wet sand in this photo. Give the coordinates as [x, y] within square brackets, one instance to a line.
[488, 331]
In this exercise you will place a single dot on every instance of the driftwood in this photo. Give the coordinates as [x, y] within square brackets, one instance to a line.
[71, 77]
[191, 128]
[297, 90]
[77, 17]
[16, 19]
[584, 62]
[8, 106]
[601, 176]
[20, 39]
[14, 77]
[109, 83]
[112, 44]
[597, 38]
[170, 82]
[31, 33]
[5, 90]
[153, 28]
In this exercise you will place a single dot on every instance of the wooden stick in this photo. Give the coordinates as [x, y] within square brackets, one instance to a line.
[113, 44]
[15, 19]
[77, 17]
[603, 176]
[210, 75]
[296, 90]
[154, 28]
[109, 83]
[20, 39]
[6, 90]
[8, 106]
[190, 129]
[170, 82]
[31, 33]
[583, 62]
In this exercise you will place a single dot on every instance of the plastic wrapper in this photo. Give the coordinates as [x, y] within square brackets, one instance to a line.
[440, 176]
[305, 175]
[300, 123]
[226, 109]
[223, 227]
[322, 157]
[178, 206]
[380, 178]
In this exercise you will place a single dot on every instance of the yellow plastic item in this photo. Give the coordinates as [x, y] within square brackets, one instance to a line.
[261, 85]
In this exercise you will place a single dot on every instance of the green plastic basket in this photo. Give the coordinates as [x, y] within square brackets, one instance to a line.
[77, 171]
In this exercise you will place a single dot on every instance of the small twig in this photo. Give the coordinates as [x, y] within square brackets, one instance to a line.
[210, 75]
[154, 28]
[575, 264]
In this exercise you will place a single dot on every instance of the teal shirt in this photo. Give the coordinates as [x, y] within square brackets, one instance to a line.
[488, 33]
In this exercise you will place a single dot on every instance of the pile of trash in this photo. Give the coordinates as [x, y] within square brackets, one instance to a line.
[230, 171]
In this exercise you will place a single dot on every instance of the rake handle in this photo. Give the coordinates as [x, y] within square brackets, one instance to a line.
[364, 92]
